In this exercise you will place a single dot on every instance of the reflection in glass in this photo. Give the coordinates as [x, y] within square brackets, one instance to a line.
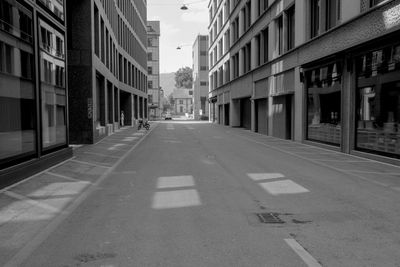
[17, 89]
[378, 118]
[324, 105]
[53, 92]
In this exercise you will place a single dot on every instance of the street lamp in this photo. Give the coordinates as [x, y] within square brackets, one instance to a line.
[185, 6]
[179, 47]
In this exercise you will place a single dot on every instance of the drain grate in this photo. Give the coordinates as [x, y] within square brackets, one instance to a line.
[269, 218]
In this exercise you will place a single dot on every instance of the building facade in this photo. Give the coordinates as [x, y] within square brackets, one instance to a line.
[200, 78]
[183, 101]
[321, 72]
[153, 69]
[33, 88]
[107, 78]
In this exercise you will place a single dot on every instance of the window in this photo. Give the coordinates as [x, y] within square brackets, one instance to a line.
[47, 69]
[151, 42]
[264, 42]
[203, 83]
[150, 98]
[290, 13]
[279, 35]
[203, 53]
[190, 92]
[314, 16]
[25, 25]
[257, 56]
[150, 70]
[247, 57]
[181, 102]
[60, 76]
[47, 39]
[220, 48]
[6, 13]
[332, 13]
[150, 84]
[26, 65]
[149, 56]
[227, 71]
[227, 40]
[6, 59]
[96, 31]
[373, 3]
[59, 47]
[324, 104]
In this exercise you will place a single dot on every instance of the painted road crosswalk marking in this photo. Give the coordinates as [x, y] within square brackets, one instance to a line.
[176, 199]
[265, 176]
[175, 181]
[279, 187]
[283, 187]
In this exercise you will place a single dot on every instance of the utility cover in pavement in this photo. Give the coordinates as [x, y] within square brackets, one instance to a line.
[269, 218]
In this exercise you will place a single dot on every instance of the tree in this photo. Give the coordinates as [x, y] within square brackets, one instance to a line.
[184, 78]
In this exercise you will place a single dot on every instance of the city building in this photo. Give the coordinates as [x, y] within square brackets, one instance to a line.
[107, 66]
[200, 78]
[322, 72]
[182, 101]
[153, 69]
[33, 88]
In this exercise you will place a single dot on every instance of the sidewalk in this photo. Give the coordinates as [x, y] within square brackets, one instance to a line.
[42, 201]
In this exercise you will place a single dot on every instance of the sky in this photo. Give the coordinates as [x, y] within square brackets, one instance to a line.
[178, 28]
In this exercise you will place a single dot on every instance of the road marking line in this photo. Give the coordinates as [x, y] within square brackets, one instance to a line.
[338, 160]
[38, 239]
[175, 181]
[175, 199]
[89, 163]
[283, 187]
[303, 254]
[265, 176]
[32, 201]
[68, 178]
[99, 154]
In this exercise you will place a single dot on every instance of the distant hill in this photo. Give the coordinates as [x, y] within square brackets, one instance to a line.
[167, 82]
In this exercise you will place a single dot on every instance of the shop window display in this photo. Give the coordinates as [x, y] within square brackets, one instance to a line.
[324, 104]
[378, 101]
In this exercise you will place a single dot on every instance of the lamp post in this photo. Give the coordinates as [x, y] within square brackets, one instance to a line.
[185, 6]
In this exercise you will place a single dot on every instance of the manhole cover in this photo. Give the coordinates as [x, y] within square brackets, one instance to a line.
[269, 218]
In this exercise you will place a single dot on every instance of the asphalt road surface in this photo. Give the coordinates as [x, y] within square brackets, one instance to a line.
[198, 194]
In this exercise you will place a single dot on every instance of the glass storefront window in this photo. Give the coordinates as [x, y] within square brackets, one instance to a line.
[17, 88]
[378, 101]
[55, 6]
[53, 91]
[324, 105]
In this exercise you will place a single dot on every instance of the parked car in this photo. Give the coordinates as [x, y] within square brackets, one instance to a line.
[168, 116]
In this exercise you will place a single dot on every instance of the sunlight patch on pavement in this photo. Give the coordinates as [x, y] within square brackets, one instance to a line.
[170, 127]
[60, 189]
[283, 187]
[176, 199]
[128, 139]
[115, 147]
[138, 134]
[21, 211]
[265, 176]
[175, 181]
